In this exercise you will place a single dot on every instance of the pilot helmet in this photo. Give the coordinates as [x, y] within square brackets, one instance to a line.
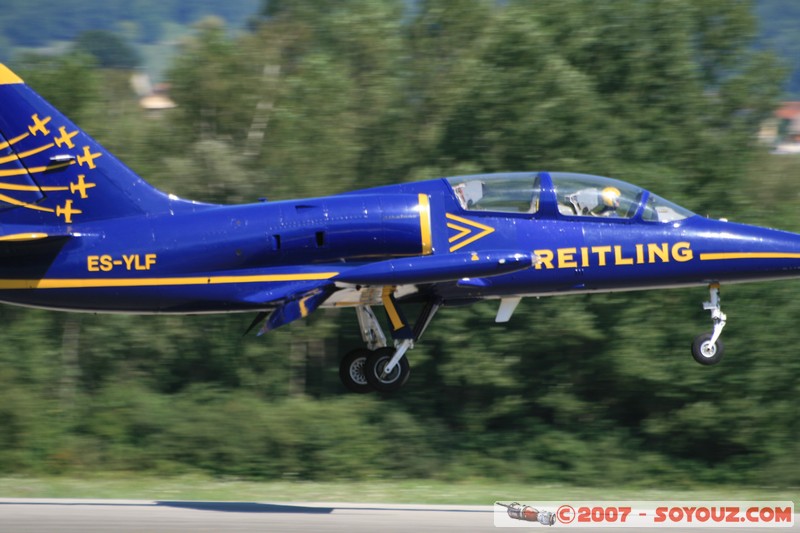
[610, 196]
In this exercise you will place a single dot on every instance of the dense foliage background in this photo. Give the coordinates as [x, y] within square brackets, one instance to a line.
[322, 96]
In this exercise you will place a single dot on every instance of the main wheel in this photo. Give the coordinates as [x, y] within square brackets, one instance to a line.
[706, 353]
[352, 371]
[377, 361]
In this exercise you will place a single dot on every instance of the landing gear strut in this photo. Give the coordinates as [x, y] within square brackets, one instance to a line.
[379, 367]
[707, 349]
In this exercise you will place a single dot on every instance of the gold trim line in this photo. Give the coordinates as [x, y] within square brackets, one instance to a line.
[425, 224]
[749, 255]
[97, 283]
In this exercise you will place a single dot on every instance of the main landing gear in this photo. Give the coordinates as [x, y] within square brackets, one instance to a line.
[707, 348]
[379, 367]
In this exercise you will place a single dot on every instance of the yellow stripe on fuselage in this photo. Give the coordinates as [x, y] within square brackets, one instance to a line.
[425, 224]
[749, 255]
[99, 283]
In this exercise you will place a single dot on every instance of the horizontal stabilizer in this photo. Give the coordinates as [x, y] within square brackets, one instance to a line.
[29, 254]
[24, 237]
[438, 268]
[28, 235]
[296, 308]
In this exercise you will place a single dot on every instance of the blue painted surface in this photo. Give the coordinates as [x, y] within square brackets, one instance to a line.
[80, 231]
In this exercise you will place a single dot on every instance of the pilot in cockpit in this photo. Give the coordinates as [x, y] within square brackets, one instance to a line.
[595, 202]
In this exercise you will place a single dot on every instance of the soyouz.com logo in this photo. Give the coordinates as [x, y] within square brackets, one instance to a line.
[638, 514]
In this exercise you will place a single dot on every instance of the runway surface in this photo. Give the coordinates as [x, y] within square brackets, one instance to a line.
[142, 516]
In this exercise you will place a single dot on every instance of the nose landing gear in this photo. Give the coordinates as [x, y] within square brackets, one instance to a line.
[707, 348]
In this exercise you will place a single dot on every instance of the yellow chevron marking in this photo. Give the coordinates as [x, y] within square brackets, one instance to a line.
[484, 231]
[463, 231]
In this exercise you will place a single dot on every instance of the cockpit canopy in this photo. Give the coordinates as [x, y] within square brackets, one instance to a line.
[574, 195]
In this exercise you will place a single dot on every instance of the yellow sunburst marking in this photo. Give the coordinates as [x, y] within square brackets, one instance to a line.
[23, 155]
[12, 142]
[33, 170]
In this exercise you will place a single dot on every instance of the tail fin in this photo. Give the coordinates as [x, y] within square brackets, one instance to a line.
[53, 173]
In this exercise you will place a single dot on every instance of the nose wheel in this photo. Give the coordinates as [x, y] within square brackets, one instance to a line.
[707, 348]
[705, 351]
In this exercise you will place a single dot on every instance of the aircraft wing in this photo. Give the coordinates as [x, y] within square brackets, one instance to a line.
[289, 302]
[438, 268]
[298, 300]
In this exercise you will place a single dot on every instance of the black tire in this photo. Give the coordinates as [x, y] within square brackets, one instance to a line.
[374, 368]
[704, 352]
[352, 371]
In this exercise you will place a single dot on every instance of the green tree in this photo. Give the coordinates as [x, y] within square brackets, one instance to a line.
[108, 49]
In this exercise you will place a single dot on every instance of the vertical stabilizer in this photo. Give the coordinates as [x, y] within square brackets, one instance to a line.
[51, 172]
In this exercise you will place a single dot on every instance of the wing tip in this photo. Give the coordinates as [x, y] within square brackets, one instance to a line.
[7, 76]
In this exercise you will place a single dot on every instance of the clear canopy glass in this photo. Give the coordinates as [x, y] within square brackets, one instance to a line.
[577, 195]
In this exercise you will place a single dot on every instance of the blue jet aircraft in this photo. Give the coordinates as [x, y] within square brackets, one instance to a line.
[79, 231]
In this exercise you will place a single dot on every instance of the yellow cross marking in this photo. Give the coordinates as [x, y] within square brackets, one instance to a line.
[66, 138]
[88, 157]
[67, 211]
[39, 126]
[81, 186]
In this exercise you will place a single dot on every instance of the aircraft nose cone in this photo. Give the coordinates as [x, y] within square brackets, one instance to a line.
[737, 252]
